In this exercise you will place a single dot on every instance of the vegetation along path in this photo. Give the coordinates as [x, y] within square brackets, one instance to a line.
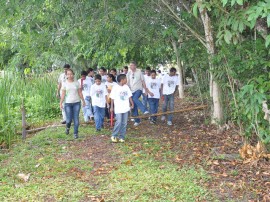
[186, 162]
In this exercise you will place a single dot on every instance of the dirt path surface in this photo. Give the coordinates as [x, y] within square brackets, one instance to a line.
[193, 143]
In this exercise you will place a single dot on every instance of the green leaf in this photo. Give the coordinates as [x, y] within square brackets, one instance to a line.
[240, 2]
[232, 2]
[268, 20]
[228, 36]
[267, 41]
[241, 27]
[224, 2]
[195, 10]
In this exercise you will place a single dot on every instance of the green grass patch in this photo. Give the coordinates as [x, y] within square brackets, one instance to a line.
[144, 179]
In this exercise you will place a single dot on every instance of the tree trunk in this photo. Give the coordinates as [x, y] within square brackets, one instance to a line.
[215, 90]
[179, 70]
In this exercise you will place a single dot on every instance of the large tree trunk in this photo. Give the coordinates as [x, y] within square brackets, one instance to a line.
[215, 90]
[179, 70]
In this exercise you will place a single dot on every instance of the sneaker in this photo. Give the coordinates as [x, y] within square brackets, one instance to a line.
[136, 124]
[132, 120]
[98, 130]
[152, 122]
[76, 136]
[169, 123]
[122, 140]
[113, 139]
[146, 112]
[163, 118]
[63, 122]
[67, 131]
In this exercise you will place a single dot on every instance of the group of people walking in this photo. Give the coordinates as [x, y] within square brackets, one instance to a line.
[113, 95]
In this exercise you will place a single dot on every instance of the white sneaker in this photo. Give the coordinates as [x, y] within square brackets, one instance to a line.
[163, 118]
[136, 124]
[132, 120]
[114, 139]
[121, 140]
[146, 112]
[169, 123]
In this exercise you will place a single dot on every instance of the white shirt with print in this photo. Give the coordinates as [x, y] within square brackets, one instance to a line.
[146, 77]
[103, 78]
[153, 86]
[85, 86]
[72, 91]
[62, 78]
[98, 94]
[169, 84]
[121, 95]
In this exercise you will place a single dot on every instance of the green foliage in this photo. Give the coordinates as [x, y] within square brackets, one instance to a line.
[250, 98]
[38, 94]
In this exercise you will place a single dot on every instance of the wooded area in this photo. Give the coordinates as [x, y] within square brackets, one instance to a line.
[222, 45]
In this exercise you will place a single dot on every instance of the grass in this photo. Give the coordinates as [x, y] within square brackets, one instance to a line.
[138, 177]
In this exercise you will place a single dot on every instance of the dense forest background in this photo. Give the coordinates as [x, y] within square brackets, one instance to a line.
[222, 44]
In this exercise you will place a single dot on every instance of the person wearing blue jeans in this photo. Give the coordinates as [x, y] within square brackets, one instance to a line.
[98, 93]
[147, 75]
[86, 84]
[169, 86]
[168, 101]
[72, 94]
[87, 110]
[136, 83]
[153, 88]
[120, 104]
[72, 112]
[99, 113]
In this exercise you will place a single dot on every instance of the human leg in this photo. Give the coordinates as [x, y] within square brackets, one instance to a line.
[69, 115]
[151, 107]
[76, 113]
[86, 109]
[135, 97]
[97, 117]
[171, 105]
[145, 101]
[164, 106]
[117, 125]
[123, 128]
[155, 110]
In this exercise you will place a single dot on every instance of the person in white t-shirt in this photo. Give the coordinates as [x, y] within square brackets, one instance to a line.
[62, 78]
[153, 88]
[120, 104]
[110, 83]
[98, 94]
[146, 75]
[90, 75]
[169, 86]
[72, 94]
[103, 74]
[86, 84]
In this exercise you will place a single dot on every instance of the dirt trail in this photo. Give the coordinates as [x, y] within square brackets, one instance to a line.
[194, 144]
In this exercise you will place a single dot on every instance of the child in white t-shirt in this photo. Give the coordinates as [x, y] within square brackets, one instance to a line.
[86, 84]
[98, 94]
[109, 85]
[153, 88]
[169, 86]
[120, 104]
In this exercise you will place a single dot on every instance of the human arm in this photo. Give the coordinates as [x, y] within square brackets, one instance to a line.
[81, 96]
[131, 103]
[63, 94]
[112, 105]
[59, 86]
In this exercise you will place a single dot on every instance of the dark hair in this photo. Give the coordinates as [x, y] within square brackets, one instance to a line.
[120, 77]
[172, 69]
[89, 70]
[133, 62]
[126, 67]
[148, 68]
[103, 68]
[153, 71]
[97, 77]
[113, 69]
[67, 66]
[158, 71]
[83, 73]
[70, 70]
[112, 76]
